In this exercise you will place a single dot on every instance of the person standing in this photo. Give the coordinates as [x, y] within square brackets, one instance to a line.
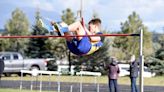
[133, 73]
[113, 71]
[1, 68]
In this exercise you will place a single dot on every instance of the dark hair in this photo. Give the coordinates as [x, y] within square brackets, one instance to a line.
[96, 21]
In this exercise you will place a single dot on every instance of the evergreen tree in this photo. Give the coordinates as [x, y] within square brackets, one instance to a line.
[4, 44]
[130, 45]
[17, 25]
[37, 46]
[156, 40]
[68, 16]
[156, 61]
[160, 53]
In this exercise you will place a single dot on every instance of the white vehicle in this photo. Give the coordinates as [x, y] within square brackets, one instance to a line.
[148, 73]
[124, 71]
[64, 69]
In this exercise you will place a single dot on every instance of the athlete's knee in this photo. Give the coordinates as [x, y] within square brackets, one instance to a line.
[78, 24]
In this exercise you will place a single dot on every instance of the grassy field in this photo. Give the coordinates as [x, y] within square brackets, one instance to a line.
[154, 81]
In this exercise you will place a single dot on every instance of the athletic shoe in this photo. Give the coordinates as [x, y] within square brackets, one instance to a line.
[61, 29]
[48, 27]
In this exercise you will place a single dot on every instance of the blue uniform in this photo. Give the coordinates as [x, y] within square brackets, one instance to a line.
[83, 46]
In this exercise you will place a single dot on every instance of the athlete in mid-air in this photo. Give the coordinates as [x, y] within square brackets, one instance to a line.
[79, 45]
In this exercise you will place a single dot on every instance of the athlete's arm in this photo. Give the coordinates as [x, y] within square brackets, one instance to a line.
[92, 38]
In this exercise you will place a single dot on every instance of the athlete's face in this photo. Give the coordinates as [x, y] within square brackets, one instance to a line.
[92, 28]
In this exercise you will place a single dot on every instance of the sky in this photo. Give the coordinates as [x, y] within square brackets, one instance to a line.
[111, 12]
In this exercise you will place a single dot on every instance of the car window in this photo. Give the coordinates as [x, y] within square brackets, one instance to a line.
[6, 57]
[15, 56]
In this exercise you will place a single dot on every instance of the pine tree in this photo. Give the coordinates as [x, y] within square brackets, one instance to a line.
[37, 46]
[68, 16]
[130, 45]
[156, 61]
[160, 53]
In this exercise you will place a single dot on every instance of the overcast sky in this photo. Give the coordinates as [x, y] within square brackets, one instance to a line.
[112, 12]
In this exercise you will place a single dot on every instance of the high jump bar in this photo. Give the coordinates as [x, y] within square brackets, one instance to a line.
[54, 36]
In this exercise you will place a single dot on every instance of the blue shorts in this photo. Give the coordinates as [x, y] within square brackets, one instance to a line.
[79, 47]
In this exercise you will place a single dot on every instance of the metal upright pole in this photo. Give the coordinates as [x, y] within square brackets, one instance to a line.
[81, 84]
[41, 82]
[21, 80]
[141, 62]
[81, 8]
[59, 82]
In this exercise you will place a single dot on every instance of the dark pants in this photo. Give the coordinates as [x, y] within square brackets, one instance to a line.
[133, 84]
[113, 86]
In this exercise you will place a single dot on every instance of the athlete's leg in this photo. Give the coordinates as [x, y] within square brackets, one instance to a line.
[78, 29]
[66, 30]
[75, 28]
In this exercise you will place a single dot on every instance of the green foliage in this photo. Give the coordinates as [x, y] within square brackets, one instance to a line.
[156, 65]
[37, 46]
[130, 45]
[160, 54]
[17, 25]
[156, 62]
[68, 16]
[161, 40]
[37, 17]
[57, 47]
[156, 37]
[4, 44]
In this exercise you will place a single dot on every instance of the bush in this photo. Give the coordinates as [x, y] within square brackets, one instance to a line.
[156, 65]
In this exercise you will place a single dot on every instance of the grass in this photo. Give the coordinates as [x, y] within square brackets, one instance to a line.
[17, 90]
[154, 81]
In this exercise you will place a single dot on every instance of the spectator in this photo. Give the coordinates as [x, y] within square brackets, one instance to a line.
[133, 73]
[113, 75]
[1, 67]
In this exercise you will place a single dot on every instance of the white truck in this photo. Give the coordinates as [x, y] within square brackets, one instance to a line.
[14, 62]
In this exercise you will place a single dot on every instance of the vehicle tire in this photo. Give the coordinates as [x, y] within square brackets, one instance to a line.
[7, 74]
[34, 68]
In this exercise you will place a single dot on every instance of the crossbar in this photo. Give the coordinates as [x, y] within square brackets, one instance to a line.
[53, 36]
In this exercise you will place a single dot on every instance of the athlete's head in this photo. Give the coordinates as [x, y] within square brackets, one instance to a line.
[94, 24]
